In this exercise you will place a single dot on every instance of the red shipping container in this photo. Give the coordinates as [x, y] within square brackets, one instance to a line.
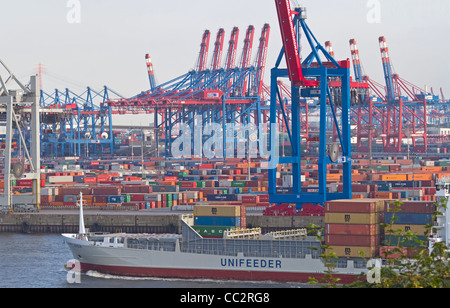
[388, 251]
[106, 191]
[250, 199]
[69, 203]
[264, 198]
[46, 199]
[90, 179]
[146, 189]
[205, 166]
[100, 199]
[353, 206]
[24, 183]
[360, 188]
[103, 177]
[347, 229]
[170, 178]
[188, 184]
[131, 189]
[137, 197]
[418, 207]
[352, 240]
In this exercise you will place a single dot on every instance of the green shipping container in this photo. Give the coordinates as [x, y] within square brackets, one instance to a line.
[212, 231]
[404, 241]
[380, 168]
[238, 184]
[201, 184]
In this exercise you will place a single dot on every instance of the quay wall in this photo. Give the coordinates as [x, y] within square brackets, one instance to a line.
[131, 223]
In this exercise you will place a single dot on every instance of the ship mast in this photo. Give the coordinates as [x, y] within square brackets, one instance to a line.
[82, 229]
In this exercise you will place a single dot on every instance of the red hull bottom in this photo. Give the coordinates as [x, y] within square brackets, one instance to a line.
[211, 274]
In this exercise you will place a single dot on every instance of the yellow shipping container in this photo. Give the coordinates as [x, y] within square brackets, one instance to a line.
[217, 210]
[353, 251]
[352, 218]
[420, 230]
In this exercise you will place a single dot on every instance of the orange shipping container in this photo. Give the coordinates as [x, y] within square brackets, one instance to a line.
[383, 195]
[335, 176]
[432, 169]
[420, 177]
[393, 177]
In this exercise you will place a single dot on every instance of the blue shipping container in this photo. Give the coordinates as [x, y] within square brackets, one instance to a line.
[224, 197]
[409, 218]
[217, 221]
[115, 199]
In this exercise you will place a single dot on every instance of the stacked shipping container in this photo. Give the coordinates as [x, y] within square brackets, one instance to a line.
[213, 220]
[412, 217]
[352, 226]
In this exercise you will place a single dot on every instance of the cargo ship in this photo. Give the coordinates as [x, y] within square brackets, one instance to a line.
[240, 254]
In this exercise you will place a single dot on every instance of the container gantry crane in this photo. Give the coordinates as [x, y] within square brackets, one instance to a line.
[309, 78]
[225, 95]
[406, 111]
[21, 107]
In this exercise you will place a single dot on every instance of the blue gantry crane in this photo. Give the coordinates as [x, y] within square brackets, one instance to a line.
[309, 78]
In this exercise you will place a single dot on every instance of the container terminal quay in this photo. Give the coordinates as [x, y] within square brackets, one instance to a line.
[321, 144]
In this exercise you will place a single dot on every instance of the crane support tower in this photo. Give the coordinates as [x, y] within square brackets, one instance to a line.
[312, 77]
[22, 110]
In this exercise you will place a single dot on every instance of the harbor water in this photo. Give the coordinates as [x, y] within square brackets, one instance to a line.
[38, 261]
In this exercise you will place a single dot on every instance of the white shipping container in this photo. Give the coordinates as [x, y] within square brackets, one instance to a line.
[60, 168]
[192, 194]
[46, 191]
[224, 183]
[60, 179]
[152, 197]
[116, 167]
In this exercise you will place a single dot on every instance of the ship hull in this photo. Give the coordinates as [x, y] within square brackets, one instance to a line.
[165, 264]
[211, 274]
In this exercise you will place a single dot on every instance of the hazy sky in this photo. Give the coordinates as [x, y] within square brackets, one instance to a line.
[108, 46]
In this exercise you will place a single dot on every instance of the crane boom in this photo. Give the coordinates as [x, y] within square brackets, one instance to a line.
[261, 57]
[356, 60]
[218, 48]
[151, 74]
[288, 35]
[203, 56]
[230, 61]
[246, 55]
[387, 70]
